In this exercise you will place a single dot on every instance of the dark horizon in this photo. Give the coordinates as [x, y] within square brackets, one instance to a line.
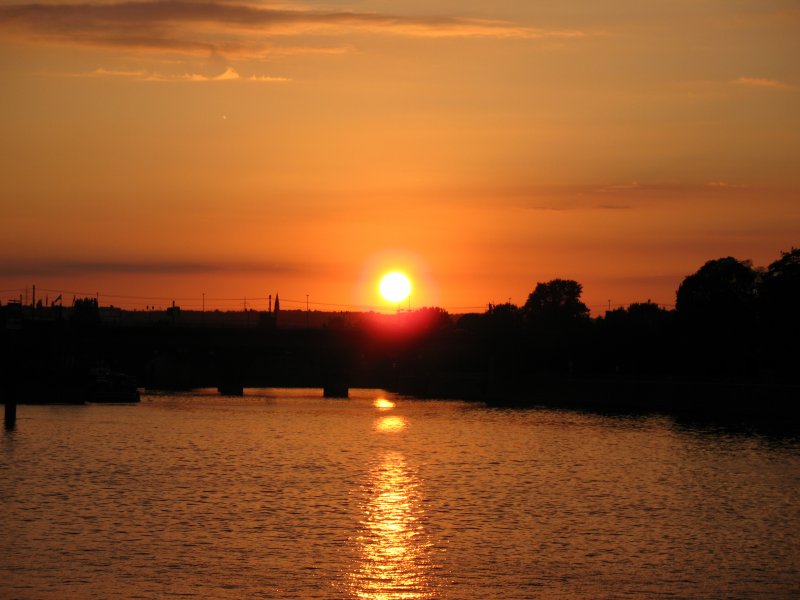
[733, 333]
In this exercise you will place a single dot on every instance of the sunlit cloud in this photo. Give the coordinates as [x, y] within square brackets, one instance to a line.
[723, 185]
[761, 82]
[112, 73]
[229, 74]
[267, 79]
[229, 29]
[309, 50]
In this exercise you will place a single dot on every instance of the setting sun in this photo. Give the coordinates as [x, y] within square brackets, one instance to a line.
[395, 287]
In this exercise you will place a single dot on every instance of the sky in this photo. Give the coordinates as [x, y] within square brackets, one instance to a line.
[231, 150]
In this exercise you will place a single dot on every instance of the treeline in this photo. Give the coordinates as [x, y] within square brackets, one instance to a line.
[732, 322]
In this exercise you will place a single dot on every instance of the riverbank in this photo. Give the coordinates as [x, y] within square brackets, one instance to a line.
[742, 399]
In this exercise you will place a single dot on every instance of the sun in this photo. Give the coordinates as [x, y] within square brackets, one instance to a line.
[395, 287]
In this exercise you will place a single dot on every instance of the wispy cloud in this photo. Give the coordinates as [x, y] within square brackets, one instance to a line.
[112, 73]
[724, 185]
[226, 28]
[761, 82]
[636, 188]
[572, 205]
[230, 74]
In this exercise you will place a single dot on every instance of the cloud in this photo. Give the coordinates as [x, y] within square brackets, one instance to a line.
[639, 189]
[73, 268]
[563, 205]
[761, 82]
[113, 73]
[229, 74]
[267, 79]
[218, 27]
[723, 184]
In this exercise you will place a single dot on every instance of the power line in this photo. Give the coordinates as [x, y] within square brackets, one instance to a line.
[103, 294]
[217, 303]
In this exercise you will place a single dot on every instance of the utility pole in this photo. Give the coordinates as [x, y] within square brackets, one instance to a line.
[204, 302]
[307, 314]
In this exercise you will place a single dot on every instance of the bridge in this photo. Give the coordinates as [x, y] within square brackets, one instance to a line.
[50, 359]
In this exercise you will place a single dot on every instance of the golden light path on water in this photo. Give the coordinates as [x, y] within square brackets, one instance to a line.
[394, 552]
[390, 424]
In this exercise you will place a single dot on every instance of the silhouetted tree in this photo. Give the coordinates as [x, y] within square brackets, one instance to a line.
[721, 293]
[427, 320]
[556, 301]
[716, 311]
[642, 317]
[470, 322]
[502, 337]
[557, 326]
[85, 313]
[779, 292]
[779, 310]
[636, 339]
[504, 318]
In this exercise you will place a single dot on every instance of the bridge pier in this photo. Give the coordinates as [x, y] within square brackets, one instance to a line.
[10, 416]
[338, 390]
[231, 389]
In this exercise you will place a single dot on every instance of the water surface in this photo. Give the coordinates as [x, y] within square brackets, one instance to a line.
[283, 494]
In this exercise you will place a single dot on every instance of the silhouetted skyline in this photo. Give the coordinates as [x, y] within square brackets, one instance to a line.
[730, 340]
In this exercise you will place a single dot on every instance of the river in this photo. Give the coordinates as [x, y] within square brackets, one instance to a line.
[284, 494]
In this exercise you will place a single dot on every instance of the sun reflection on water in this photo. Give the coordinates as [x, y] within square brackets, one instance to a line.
[394, 551]
[390, 424]
[383, 404]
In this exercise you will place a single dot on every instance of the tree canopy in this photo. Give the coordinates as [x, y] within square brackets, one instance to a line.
[556, 300]
[722, 290]
[780, 288]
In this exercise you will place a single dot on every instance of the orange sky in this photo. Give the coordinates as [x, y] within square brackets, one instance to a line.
[168, 149]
